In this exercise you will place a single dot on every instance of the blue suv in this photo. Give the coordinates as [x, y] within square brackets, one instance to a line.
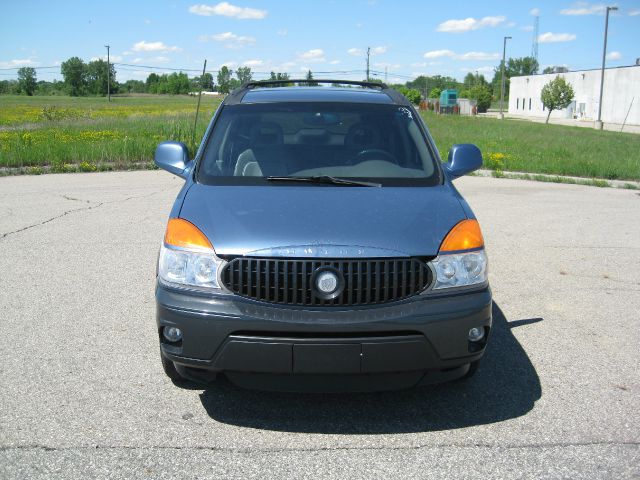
[318, 244]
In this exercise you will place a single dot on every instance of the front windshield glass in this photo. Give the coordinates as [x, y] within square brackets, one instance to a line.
[381, 143]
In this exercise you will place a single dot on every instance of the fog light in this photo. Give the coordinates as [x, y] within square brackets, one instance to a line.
[172, 334]
[476, 334]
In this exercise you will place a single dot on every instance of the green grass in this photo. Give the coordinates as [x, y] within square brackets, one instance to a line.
[514, 145]
[41, 134]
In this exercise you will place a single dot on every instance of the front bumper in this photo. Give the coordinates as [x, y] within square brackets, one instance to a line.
[420, 340]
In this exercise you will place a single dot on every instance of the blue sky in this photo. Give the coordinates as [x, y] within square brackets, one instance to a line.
[407, 38]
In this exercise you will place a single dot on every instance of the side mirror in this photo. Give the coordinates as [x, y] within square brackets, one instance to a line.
[173, 157]
[463, 158]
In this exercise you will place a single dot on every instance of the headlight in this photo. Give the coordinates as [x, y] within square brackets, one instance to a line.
[189, 268]
[460, 269]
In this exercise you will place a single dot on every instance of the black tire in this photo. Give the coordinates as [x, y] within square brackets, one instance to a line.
[473, 368]
[170, 369]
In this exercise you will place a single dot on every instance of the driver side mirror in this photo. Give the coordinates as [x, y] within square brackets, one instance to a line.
[463, 158]
[173, 157]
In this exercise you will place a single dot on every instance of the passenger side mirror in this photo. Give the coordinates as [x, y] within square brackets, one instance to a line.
[173, 157]
[463, 158]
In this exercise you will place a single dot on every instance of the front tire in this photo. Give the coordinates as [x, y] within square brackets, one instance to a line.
[170, 369]
[473, 368]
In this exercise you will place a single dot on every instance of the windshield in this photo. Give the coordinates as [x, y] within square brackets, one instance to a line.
[367, 142]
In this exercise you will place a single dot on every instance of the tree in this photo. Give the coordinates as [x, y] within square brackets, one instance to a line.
[435, 93]
[554, 69]
[74, 71]
[224, 79]
[205, 82]
[482, 95]
[412, 94]
[27, 80]
[515, 67]
[309, 78]
[244, 75]
[556, 95]
[97, 77]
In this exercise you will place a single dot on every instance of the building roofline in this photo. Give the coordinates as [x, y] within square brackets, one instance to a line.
[575, 71]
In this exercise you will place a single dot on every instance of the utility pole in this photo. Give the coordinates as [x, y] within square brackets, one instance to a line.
[385, 74]
[108, 75]
[368, 52]
[599, 124]
[504, 53]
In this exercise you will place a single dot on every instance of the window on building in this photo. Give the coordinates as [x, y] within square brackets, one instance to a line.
[529, 103]
[517, 103]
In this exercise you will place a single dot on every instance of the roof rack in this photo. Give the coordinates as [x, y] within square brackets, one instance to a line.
[236, 95]
[262, 83]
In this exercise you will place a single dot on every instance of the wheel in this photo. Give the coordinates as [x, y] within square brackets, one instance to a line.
[170, 369]
[473, 368]
[376, 153]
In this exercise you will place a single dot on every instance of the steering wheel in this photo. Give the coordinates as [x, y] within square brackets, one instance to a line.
[377, 152]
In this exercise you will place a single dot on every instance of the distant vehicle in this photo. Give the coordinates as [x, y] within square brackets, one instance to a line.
[318, 243]
[448, 100]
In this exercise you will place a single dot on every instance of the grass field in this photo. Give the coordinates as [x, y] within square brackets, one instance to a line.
[69, 134]
[61, 134]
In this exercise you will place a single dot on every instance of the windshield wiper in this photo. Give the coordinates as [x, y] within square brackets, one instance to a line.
[325, 179]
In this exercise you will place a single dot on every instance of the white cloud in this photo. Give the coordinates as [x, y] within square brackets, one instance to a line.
[147, 21]
[282, 32]
[614, 56]
[389, 66]
[439, 54]
[556, 37]
[26, 62]
[584, 8]
[227, 64]
[635, 12]
[153, 47]
[356, 52]
[534, 12]
[419, 64]
[378, 50]
[484, 69]
[227, 10]
[159, 59]
[313, 55]
[229, 39]
[334, 62]
[527, 28]
[253, 63]
[468, 24]
[112, 58]
[477, 56]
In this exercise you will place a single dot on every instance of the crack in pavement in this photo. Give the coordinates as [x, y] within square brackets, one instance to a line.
[67, 212]
[527, 446]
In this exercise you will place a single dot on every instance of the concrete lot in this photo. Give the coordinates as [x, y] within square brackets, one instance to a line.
[83, 395]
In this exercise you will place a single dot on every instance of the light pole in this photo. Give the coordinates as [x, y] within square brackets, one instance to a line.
[504, 53]
[108, 75]
[604, 57]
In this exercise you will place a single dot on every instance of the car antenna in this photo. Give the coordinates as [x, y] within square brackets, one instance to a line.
[195, 124]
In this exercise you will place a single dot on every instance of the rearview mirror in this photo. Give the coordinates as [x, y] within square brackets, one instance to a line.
[463, 158]
[173, 157]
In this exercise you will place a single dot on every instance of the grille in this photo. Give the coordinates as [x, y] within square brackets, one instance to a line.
[289, 281]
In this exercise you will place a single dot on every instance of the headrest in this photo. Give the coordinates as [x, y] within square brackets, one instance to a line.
[266, 133]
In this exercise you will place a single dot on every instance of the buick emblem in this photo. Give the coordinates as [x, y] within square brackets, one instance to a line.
[327, 282]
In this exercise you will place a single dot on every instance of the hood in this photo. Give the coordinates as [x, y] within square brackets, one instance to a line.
[299, 221]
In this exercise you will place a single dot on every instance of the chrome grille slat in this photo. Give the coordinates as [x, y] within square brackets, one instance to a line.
[287, 281]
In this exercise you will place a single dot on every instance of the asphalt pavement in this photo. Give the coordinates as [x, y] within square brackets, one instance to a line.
[82, 393]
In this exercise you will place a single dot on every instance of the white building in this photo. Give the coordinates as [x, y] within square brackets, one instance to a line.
[621, 96]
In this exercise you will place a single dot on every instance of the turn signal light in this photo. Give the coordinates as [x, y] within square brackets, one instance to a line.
[466, 235]
[182, 233]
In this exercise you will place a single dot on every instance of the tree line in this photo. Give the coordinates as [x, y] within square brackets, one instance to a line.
[92, 78]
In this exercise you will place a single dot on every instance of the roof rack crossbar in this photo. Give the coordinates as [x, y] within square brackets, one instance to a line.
[262, 83]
